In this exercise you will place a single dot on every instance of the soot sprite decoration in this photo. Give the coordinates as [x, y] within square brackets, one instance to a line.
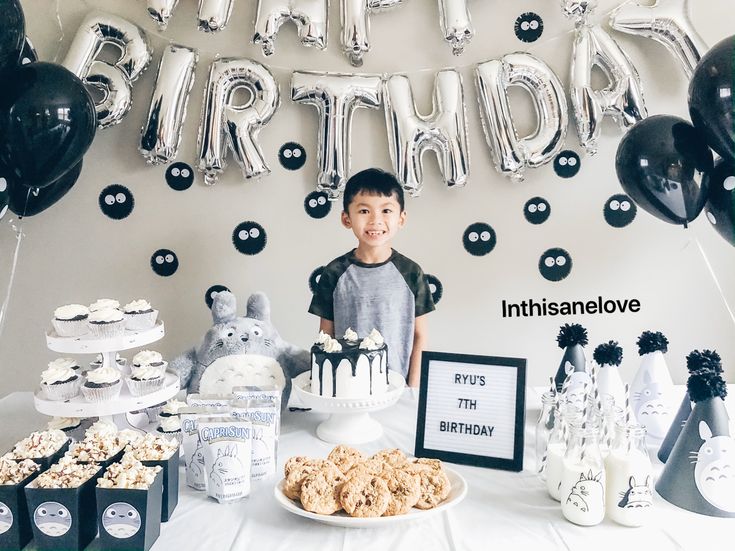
[567, 164]
[317, 204]
[314, 278]
[249, 237]
[164, 262]
[555, 264]
[537, 210]
[213, 290]
[292, 156]
[619, 211]
[479, 239]
[529, 27]
[116, 201]
[435, 286]
[179, 176]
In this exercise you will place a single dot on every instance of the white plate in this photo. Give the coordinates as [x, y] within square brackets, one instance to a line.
[458, 493]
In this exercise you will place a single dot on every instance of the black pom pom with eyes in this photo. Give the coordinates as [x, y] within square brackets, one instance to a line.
[651, 341]
[705, 360]
[704, 384]
[571, 334]
[608, 353]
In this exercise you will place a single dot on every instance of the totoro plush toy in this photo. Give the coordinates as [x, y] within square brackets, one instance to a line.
[240, 351]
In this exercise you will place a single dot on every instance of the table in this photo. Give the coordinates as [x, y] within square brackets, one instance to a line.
[502, 510]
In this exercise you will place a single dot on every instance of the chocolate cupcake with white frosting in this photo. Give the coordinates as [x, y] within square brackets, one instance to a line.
[60, 383]
[149, 358]
[171, 428]
[71, 426]
[70, 320]
[103, 303]
[102, 384]
[139, 315]
[106, 323]
[145, 380]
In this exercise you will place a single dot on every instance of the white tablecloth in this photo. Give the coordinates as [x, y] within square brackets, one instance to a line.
[502, 510]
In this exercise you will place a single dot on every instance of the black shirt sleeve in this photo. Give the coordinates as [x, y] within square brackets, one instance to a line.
[416, 280]
[322, 302]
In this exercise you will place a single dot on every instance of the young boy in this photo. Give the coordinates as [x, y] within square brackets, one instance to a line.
[374, 286]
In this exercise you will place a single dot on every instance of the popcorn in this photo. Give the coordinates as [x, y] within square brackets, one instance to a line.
[67, 473]
[14, 472]
[152, 447]
[39, 444]
[129, 473]
[96, 447]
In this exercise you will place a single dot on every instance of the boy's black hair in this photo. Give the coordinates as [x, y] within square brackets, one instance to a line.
[373, 181]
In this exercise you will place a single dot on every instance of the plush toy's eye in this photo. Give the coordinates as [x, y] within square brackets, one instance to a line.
[287, 153]
[175, 172]
[473, 236]
[159, 259]
[120, 198]
[532, 208]
[708, 451]
[614, 204]
[254, 232]
[169, 258]
[549, 261]
[257, 331]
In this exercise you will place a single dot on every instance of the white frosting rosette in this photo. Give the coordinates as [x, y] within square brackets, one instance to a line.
[102, 384]
[171, 427]
[350, 335]
[332, 345]
[64, 423]
[139, 315]
[104, 303]
[144, 380]
[106, 323]
[65, 363]
[60, 383]
[151, 358]
[70, 320]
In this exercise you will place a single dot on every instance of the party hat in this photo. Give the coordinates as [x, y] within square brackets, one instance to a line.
[700, 473]
[706, 360]
[572, 373]
[652, 388]
[608, 356]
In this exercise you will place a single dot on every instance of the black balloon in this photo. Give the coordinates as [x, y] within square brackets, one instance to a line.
[712, 99]
[721, 201]
[25, 201]
[12, 33]
[661, 163]
[47, 122]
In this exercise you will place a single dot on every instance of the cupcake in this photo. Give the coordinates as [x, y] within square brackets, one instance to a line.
[71, 426]
[66, 362]
[71, 320]
[171, 427]
[104, 303]
[106, 323]
[60, 383]
[150, 358]
[102, 384]
[153, 411]
[171, 408]
[119, 361]
[144, 380]
[139, 315]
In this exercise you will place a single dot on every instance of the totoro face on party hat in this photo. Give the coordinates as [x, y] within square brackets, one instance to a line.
[652, 386]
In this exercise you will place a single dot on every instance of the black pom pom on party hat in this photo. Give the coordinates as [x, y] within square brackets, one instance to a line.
[704, 384]
[705, 360]
[571, 334]
[608, 353]
[652, 341]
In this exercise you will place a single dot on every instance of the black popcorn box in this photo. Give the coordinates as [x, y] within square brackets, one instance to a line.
[63, 518]
[170, 472]
[130, 519]
[15, 524]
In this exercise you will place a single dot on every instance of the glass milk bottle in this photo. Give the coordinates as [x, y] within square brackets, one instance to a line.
[629, 477]
[544, 425]
[558, 446]
[611, 415]
[582, 490]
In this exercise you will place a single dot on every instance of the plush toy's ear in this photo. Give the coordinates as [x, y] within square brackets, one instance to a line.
[259, 307]
[224, 307]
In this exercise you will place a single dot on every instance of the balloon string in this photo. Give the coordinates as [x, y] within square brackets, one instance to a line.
[18, 229]
[716, 280]
[59, 24]
[537, 46]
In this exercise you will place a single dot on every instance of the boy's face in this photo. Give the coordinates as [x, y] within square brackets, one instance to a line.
[374, 219]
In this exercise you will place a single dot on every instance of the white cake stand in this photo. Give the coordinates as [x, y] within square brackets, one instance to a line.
[349, 421]
[115, 411]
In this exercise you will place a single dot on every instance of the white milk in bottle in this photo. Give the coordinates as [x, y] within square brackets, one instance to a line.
[629, 477]
[557, 447]
[582, 490]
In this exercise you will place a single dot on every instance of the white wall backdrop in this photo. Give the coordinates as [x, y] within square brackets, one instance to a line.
[73, 253]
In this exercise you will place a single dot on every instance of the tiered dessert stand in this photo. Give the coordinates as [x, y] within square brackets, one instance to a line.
[349, 421]
[120, 409]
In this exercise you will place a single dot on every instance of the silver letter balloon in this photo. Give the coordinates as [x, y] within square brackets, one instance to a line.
[444, 131]
[114, 80]
[223, 123]
[161, 11]
[456, 24]
[512, 154]
[161, 134]
[309, 16]
[667, 22]
[335, 96]
[213, 15]
[355, 18]
[622, 98]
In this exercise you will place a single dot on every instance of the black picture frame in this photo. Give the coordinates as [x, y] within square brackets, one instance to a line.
[519, 364]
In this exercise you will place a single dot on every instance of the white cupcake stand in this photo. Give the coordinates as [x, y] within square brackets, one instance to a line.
[120, 410]
[349, 421]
